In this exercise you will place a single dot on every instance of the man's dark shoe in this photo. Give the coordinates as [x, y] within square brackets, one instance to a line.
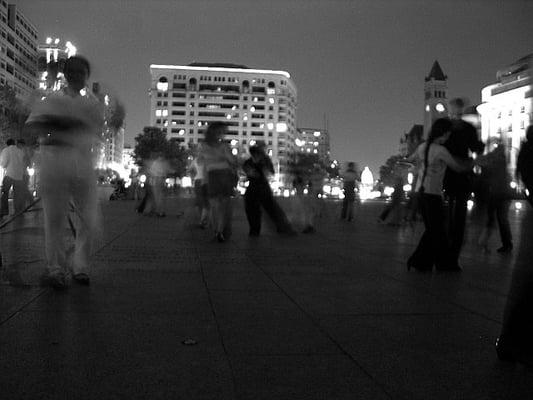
[505, 249]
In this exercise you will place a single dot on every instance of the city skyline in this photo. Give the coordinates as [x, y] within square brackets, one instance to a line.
[360, 65]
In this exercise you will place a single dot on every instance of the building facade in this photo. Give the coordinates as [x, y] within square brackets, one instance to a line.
[435, 96]
[313, 141]
[18, 55]
[506, 107]
[257, 106]
[51, 60]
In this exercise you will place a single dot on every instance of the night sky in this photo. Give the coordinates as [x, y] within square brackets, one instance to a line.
[361, 64]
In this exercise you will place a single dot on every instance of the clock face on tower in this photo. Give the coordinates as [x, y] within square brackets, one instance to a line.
[440, 107]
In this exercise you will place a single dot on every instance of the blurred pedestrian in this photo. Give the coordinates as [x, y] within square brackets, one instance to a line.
[259, 194]
[13, 160]
[70, 122]
[26, 195]
[395, 204]
[221, 168]
[494, 166]
[524, 164]
[201, 200]
[458, 185]
[349, 178]
[433, 159]
[313, 199]
[158, 169]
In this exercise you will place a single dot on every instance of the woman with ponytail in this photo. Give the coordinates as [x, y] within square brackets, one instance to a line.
[432, 159]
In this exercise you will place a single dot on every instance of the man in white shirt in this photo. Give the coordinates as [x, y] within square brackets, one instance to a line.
[12, 160]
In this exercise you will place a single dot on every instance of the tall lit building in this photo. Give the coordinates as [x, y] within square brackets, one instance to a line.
[314, 141]
[435, 96]
[52, 56]
[507, 107]
[18, 55]
[257, 105]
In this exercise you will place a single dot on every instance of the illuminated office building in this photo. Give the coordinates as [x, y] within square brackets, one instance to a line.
[506, 107]
[258, 106]
[18, 55]
[313, 141]
[52, 56]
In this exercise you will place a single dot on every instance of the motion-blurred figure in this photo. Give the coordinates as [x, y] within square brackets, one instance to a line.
[524, 164]
[157, 172]
[69, 122]
[221, 169]
[497, 178]
[201, 200]
[395, 204]
[13, 160]
[259, 194]
[349, 178]
[313, 200]
[458, 185]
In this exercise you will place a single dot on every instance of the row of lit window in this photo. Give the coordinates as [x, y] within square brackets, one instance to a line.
[510, 127]
[510, 112]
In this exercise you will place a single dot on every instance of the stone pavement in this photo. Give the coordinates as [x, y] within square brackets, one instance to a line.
[172, 314]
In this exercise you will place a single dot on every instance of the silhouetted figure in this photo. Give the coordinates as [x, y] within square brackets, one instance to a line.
[26, 196]
[497, 179]
[13, 160]
[201, 200]
[313, 199]
[349, 178]
[395, 204]
[70, 123]
[221, 169]
[458, 185]
[516, 338]
[432, 159]
[524, 164]
[259, 194]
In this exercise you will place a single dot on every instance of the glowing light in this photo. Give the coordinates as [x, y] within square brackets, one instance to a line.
[470, 204]
[366, 177]
[527, 192]
[157, 113]
[252, 142]
[181, 132]
[513, 185]
[270, 125]
[270, 152]
[440, 107]
[83, 92]
[186, 182]
[316, 134]
[315, 144]
[286, 193]
[252, 109]
[281, 127]
[245, 118]
[300, 143]
[163, 86]
[234, 152]
[271, 100]
[164, 113]
[326, 188]
[315, 151]
[234, 142]
[56, 41]
[388, 191]
[407, 188]
[31, 171]
[142, 178]
[427, 108]
[306, 191]
[228, 116]
[410, 178]
[271, 91]
[48, 40]
[518, 205]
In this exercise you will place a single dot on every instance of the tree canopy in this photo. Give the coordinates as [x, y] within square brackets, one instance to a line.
[13, 114]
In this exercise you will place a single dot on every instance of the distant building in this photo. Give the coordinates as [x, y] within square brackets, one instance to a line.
[257, 105]
[507, 106]
[435, 96]
[410, 140]
[313, 141]
[52, 56]
[18, 55]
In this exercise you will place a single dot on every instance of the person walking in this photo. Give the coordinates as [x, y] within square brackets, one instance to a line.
[259, 194]
[70, 123]
[313, 199]
[395, 204]
[349, 178]
[458, 185]
[494, 165]
[221, 168]
[157, 172]
[13, 160]
[201, 201]
[432, 159]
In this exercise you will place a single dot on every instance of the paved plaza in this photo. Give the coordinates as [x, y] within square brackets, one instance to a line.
[172, 314]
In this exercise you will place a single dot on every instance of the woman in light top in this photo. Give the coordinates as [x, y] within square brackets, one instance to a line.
[432, 159]
[221, 169]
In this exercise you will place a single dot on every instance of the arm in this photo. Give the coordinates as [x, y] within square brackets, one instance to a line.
[454, 163]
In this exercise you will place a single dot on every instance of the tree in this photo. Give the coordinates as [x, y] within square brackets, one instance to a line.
[392, 169]
[151, 140]
[176, 156]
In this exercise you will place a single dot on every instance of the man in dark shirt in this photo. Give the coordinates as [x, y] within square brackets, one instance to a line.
[258, 194]
[458, 186]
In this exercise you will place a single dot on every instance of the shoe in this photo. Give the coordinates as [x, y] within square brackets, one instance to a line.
[81, 278]
[309, 229]
[220, 237]
[505, 249]
[55, 280]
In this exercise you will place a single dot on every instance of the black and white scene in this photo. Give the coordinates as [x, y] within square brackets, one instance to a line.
[258, 200]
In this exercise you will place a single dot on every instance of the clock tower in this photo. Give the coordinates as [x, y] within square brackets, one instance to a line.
[435, 96]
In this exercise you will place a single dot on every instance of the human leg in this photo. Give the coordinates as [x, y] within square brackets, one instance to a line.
[7, 183]
[502, 215]
[457, 220]
[252, 208]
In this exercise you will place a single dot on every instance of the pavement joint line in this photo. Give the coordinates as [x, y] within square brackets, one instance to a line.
[325, 332]
[21, 308]
[219, 330]
[129, 227]
[426, 290]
